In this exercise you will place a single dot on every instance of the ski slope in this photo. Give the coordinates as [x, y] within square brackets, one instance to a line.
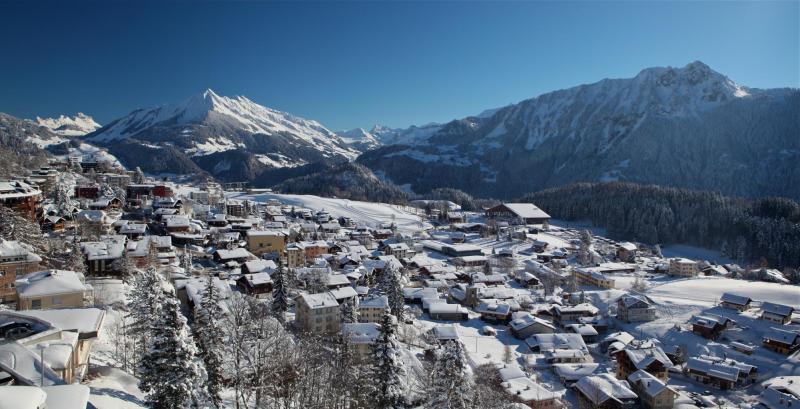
[370, 214]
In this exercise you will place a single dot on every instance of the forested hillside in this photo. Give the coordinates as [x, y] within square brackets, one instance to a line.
[746, 230]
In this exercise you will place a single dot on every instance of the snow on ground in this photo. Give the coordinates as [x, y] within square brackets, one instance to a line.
[115, 389]
[708, 290]
[694, 253]
[371, 214]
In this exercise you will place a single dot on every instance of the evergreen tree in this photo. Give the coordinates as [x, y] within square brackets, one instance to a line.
[186, 261]
[138, 175]
[61, 198]
[389, 369]
[211, 343]
[144, 300]
[390, 286]
[349, 311]
[451, 382]
[280, 293]
[168, 372]
[14, 226]
[75, 260]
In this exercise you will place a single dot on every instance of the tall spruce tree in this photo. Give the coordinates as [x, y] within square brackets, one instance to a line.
[280, 293]
[168, 372]
[144, 300]
[388, 366]
[391, 286]
[210, 340]
[451, 382]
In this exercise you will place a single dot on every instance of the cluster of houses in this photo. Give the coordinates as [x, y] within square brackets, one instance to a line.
[448, 277]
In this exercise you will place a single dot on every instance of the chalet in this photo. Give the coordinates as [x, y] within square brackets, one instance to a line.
[257, 284]
[653, 392]
[568, 314]
[133, 230]
[398, 250]
[604, 392]
[259, 266]
[568, 374]
[53, 223]
[781, 392]
[647, 357]
[777, 313]
[15, 260]
[266, 241]
[530, 393]
[105, 203]
[525, 325]
[238, 255]
[635, 308]
[735, 302]
[528, 280]
[626, 252]
[138, 191]
[494, 312]
[710, 326]
[176, 223]
[587, 331]
[450, 312]
[522, 213]
[551, 342]
[22, 197]
[781, 341]
[101, 255]
[722, 373]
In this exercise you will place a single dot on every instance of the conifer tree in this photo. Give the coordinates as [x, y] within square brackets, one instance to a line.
[390, 286]
[349, 311]
[451, 381]
[280, 293]
[168, 372]
[211, 343]
[388, 366]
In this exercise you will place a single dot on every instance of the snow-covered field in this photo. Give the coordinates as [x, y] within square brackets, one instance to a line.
[371, 214]
[694, 253]
[708, 290]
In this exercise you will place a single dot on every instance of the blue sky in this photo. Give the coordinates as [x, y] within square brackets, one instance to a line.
[358, 64]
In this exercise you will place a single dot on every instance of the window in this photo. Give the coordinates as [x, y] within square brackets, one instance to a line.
[56, 300]
[36, 304]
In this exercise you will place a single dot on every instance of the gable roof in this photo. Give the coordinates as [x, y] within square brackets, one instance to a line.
[735, 299]
[777, 309]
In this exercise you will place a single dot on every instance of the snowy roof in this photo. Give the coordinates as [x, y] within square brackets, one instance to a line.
[445, 332]
[557, 341]
[630, 300]
[67, 396]
[526, 390]
[233, 254]
[24, 363]
[601, 388]
[133, 228]
[781, 392]
[711, 368]
[108, 248]
[11, 248]
[643, 357]
[82, 320]
[443, 308]
[22, 397]
[734, 299]
[362, 332]
[51, 282]
[380, 301]
[260, 265]
[508, 372]
[257, 278]
[337, 280]
[267, 233]
[777, 309]
[92, 216]
[583, 329]
[622, 336]
[344, 292]
[782, 336]
[177, 220]
[320, 300]
[16, 188]
[709, 320]
[651, 385]
[526, 210]
[493, 308]
[525, 320]
[574, 371]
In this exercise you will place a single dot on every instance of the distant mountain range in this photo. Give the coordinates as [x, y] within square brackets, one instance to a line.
[688, 127]
[79, 125]
[229, 138]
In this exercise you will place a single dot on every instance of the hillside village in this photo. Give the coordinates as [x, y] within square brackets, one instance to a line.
[121, 290]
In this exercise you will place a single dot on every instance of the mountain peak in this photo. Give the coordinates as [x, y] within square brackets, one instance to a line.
[80, 124]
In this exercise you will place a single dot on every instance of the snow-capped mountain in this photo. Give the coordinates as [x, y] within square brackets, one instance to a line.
[359, 139]
[209, 124]
[80, 124]
[689, 126]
